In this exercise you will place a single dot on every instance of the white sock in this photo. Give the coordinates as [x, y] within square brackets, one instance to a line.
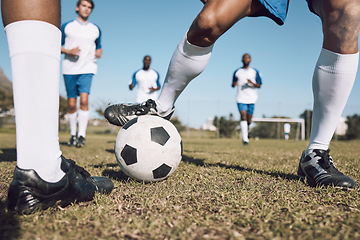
[73, 123]
[187, 62]
[333, 79]
[83, 122]
[34, 48]
[244, 131]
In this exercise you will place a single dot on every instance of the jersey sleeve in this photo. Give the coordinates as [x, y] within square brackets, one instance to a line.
[133, 80]
[98, 40]
[63, 36]
[235, 78]
[258, 77]
[158, 79]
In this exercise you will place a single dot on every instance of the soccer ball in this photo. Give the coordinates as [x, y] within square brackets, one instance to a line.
[148, 148]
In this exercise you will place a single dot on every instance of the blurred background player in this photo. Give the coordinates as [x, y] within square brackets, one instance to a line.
[287, 128]
[81, 44]
[147, 82]
[247, 80]
[42, 177]
[333, 78]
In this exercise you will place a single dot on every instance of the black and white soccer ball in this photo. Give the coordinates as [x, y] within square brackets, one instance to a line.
[148, 148]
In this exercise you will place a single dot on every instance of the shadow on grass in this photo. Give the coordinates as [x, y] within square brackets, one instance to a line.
[112, 151]
[63, 143]
[8, 155]
[116, 175]
[9, 222]
[276, 174]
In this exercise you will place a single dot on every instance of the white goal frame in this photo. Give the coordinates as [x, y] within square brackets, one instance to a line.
[300, 121]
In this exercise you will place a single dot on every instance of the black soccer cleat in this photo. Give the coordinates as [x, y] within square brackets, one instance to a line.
[119, 114]
[80, 142]
[319, 170]
[72, 141]
[29, 193]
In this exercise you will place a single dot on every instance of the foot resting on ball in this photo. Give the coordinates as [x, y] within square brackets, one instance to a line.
[28, 192]
[319, 170]
[119, 114]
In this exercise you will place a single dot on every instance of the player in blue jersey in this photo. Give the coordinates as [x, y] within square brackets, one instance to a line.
[247, 80]
[333, 78]
[81, 44]
[147, 82]
[43, 177]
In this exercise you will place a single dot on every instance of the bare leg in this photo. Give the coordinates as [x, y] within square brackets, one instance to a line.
[42, 10]
[217, 17]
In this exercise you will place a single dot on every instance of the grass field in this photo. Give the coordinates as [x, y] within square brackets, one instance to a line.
[221, 190]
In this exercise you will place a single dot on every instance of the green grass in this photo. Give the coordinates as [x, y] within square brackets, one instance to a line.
[221, 190]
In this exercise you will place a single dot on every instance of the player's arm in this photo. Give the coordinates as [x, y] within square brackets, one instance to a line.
[255, 85]
[74, 51]
[158, 85]
[131, 86]
[234, 80]
[132, 82]
[98, 46]
[258, 80]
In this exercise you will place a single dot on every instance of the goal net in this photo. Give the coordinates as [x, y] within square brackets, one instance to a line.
[300, 126]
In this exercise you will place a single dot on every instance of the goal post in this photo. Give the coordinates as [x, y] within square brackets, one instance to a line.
[300, 121]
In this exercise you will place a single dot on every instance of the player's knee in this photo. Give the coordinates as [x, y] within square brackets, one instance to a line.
[84, 104]
[71, 108]
[205, 30]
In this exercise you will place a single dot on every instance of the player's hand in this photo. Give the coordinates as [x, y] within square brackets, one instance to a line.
[74, 51]
[250, 82]
[98, 53]
[152, 89]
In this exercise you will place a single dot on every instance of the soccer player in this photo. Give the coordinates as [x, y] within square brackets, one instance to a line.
[43, 177]
[247, 80]
[333, 78]
[147, 82]
[81, 44]
[287, 128]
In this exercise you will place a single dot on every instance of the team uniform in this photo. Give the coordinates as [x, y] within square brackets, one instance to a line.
[246, 94]
[79, 70]
[144, 80]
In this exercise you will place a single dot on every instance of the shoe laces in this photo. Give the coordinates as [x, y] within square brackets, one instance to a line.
[142, 108]
[79, 169]
[325, 160]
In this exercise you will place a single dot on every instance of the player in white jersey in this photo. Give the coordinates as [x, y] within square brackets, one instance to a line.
[147, 82]
[43, 177]
[287, 128]
[81, 44]
[333, 77]
[247, 80]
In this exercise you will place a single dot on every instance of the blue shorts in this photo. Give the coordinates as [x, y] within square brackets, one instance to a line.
[275, 9]
[249, 108]
[77, 83]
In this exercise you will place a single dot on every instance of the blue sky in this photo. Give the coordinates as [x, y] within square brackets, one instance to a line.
[285, 56]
